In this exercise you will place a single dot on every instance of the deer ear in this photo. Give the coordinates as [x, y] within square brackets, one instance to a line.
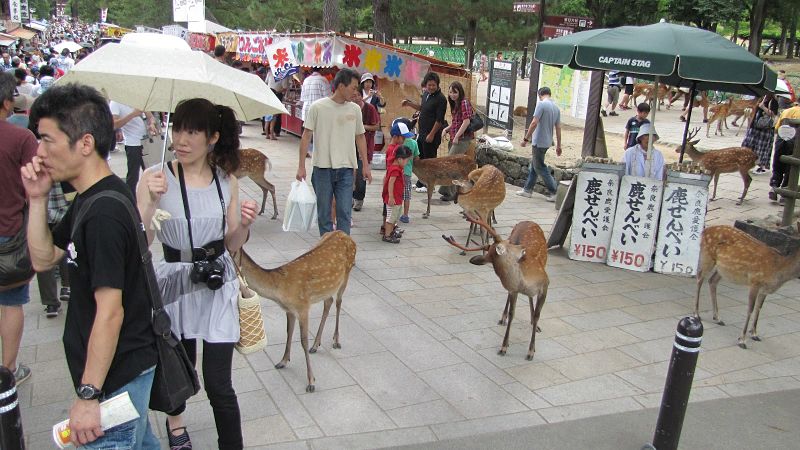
[521, 256]
[694, 142]
[500, 249]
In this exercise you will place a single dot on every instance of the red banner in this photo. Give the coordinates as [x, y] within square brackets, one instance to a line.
[200, 41]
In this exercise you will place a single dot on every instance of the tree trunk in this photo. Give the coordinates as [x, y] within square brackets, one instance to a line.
[330, 15]
[790, 46]
[782, 41]
[469, 41]
[735, 35]
[757, 18]
[382, 21]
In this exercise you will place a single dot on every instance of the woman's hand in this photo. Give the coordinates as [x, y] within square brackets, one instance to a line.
[156, 183]
[249, 208]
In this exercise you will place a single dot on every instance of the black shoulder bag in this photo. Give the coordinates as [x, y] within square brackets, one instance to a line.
[15, 263]
[175, 379]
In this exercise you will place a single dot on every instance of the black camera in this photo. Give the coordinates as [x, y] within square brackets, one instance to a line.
[210, 271]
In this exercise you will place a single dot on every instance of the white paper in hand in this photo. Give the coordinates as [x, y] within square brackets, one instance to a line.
[301, 208]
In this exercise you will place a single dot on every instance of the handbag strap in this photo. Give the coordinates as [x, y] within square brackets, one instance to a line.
[160, 325]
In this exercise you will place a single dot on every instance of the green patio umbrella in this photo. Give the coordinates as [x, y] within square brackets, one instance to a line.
[666, 53]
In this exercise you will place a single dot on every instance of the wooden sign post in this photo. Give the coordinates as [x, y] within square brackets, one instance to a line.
[682, 222]
[593, 215]
[634, 233]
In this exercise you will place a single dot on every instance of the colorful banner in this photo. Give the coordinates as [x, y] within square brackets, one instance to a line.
[381, 62]
[253, 47]
[281, 58]
[200, 41]
[176, 30]
[229, 40]
[317, 52]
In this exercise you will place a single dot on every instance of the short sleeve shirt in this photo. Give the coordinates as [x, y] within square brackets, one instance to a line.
[412, 144]
[17, 147]
[549, 116]
[463, 113]
[395, 191]
[370, 116]
[633, 126]
[335, 128]
[432, 110]
[134, 130]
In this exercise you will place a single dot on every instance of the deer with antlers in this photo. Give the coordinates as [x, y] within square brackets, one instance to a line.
[319, 274]
[724, 160]
[520, 263]
[443, 171]
[484, 190]
[726, 252]
[255, 165]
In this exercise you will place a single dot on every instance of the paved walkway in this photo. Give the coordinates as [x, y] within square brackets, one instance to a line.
[419, 338]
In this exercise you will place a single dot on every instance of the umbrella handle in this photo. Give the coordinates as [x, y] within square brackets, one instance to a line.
[164, 148]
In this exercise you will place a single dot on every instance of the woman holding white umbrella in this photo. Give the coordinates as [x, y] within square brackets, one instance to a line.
[197, 276]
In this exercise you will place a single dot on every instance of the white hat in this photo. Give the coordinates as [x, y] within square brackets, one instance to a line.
[367, 76]
[22, 102]
[644, 130]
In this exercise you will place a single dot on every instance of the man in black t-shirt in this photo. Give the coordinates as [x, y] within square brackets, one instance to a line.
[432, 108]
[108, 338]
[634, 123]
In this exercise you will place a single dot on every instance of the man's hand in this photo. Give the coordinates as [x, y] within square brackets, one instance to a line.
[301, 173]
[558, 150]
[367, 172]
[429, 138]
[36, 179]
[84, 421]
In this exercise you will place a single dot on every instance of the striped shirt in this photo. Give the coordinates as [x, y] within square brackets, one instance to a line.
[613, 78]
[315, 87]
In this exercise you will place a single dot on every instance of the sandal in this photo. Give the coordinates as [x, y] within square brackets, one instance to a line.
[392, 238]
[179, 442]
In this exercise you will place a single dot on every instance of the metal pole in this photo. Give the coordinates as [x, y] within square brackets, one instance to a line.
[648, 164]
[688, 119]
[11, 436]
[679, 383]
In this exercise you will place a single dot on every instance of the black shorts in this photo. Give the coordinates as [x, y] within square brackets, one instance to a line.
[629, 89]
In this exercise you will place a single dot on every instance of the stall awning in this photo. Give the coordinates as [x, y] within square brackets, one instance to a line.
[23, 34]
[6, 39]
[38, 26]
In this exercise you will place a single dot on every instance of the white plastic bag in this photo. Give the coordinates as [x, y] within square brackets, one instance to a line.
[301, 208]
[378, 161]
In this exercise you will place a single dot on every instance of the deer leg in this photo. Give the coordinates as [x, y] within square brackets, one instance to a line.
[747, 180]
[504, 317]
[533, 311]
[271, 189]
[469, 236]
[430, 194]
[318, 339]
[540, 299]
[751, 302]
[700, 279]
[336, 343]
[753, 330]
[289, 333]
[712, 288]
[494, 218]
[512, 304]
[304, 343]
[716, 180]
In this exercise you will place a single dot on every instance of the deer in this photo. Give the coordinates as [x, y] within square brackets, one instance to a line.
[320, 274]
[646, 89]
[443, 171]
[255, 165]
[520, 263]
[726, 252]
[719, 112]
[743, 109]
[484, 190]
[724, 160]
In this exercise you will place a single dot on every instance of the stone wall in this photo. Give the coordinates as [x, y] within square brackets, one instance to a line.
[515, 167]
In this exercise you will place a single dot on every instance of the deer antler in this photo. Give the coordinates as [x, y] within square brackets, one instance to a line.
[452, 241]
[693, 133]
[484, 225]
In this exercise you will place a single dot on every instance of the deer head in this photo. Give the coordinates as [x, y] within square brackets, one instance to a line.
[499, 249]
[689, 142]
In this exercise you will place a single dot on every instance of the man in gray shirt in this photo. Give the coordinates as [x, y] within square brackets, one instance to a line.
[546, 117]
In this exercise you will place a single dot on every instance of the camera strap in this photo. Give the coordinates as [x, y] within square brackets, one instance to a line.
[186, 211]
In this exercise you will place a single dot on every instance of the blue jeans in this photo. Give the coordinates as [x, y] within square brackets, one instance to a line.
[538, 167]
[136, 434]
[329, 184]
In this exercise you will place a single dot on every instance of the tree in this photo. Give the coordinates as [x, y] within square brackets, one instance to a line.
[757, 19]
[705, 14]
[330, 15]
[382, 24]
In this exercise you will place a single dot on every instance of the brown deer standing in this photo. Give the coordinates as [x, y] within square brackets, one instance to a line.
[726, 252]
[255, 165]
[725, 160]
[647, 90]
[719, 112]
[443, 171]
[742, 109]
[487, 193]
[319, 274]
[520, 263]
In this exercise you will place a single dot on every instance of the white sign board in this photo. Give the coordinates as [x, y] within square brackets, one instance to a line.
[634, 233]
[593, 215]
[180, 10]
[15, 10]
[176, 30]
[683, 214]
[196, 10]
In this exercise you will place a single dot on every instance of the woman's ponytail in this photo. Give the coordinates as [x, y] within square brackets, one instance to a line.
[226, 151]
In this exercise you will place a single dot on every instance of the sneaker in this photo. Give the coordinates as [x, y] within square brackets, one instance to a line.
[523, 193]
[550, 198]
[392, 239]
[52, 311]
[613, 113]
[773, 196]
[422, 189]
[404, 218]
[179, 442]
[398, 231]
[357, 204]
[761, 170]
[22, 373]
[64, 295]
[603, 112]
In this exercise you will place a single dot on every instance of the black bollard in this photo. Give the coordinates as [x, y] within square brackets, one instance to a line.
[678, 385]
[11, 437]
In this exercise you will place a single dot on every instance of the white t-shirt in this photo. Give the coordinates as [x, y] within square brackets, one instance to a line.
[335, 128]
[133, 131]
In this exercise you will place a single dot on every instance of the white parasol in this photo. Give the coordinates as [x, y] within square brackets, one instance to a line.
[69, 45]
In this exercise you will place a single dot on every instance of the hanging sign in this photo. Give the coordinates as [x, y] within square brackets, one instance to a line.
[253, 46]
[634, 233]
[176, 30]
[313, 51]
[683, 213]
[280, 56]
[15, 10]
[229, 40]
[381, 62]
[593, 215]
[200, 41]
[500, 95]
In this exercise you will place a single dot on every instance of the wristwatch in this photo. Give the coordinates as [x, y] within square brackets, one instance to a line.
[88, 392]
